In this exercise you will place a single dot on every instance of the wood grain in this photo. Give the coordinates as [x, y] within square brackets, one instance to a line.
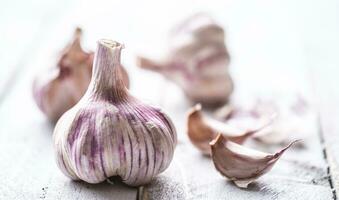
[327, 96]
[322, 53]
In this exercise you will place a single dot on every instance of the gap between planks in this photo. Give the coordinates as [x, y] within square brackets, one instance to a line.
[328, 167]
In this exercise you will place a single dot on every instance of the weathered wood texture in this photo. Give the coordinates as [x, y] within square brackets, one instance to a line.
[322, 53]
[324, 76]
[270, 48]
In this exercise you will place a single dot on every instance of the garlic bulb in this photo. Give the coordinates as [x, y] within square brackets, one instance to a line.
[202, 130]
[111, 133]
[240, 164]
[197, 61]
[61, 87]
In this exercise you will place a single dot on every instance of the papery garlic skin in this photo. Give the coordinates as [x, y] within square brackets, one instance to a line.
[110, 133]
[197, 61]
[58, 89]
[240, 164]
[202, 130]
[294, 119]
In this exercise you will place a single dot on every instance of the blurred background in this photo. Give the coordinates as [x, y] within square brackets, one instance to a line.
[277, 48]
[265, 37]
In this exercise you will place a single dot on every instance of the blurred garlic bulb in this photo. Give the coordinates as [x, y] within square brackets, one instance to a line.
[197, 61]
[240, 164]
[111, 133]
[61, 87]
[202, 130]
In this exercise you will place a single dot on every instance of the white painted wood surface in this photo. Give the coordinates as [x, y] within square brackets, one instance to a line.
[273, 45]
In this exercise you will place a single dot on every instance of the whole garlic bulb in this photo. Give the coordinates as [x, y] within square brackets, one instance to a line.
[111, 133]
[197, 61]
[61, 87]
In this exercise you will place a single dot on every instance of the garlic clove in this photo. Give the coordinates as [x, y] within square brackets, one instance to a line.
[61, 87]
[240, 164]
[197, 61]
[198, 132]
[111, 133]
[202, 129]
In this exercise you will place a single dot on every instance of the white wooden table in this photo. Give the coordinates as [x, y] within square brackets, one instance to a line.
[278, 47]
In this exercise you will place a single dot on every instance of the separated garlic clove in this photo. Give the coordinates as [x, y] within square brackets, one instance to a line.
[111, 133]
[202, 130]
[240, 164]
[60, 88]
[197, 61]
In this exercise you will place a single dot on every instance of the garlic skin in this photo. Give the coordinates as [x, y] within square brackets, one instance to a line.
[111, 133]
[202, 130]
[240, 164]
[197, 61]
[293, 119]
[57, 90]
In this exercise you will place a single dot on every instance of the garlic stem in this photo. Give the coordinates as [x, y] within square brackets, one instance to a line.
[107, 82]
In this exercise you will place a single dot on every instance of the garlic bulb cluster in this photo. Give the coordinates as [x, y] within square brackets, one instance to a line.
[61, 87]
[202, 130]
[197, 61]
[240, 164]
[111, 133]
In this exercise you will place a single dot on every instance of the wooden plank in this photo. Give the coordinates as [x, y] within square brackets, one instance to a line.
[322, 51]
[25, 139]
[325, 80]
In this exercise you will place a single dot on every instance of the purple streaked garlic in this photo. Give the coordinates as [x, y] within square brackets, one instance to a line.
[61, 87]
[202, 130]
[197, 61]
[111, 133]
[240, 164]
